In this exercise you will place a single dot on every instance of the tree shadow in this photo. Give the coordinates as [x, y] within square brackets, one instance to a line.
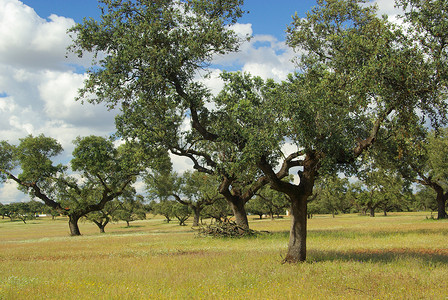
[429, 256]
[425, 255]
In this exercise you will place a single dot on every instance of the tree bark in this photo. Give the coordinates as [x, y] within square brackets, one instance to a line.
[73, 225]
[441, 203]
[297, 234]
[101, 226]
[237, 205]
[197, 215]
[372, 211]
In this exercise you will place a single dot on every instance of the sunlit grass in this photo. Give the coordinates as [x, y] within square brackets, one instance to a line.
[402, 256]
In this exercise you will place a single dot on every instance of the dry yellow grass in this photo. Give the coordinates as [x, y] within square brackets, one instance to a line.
[403, 256]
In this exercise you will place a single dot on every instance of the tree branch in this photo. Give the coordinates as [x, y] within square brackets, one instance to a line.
[368, 142]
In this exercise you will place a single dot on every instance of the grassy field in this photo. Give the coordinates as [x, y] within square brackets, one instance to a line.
[402, 256]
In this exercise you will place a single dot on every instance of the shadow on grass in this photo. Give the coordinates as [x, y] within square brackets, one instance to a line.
[354, 234]
[427, 256]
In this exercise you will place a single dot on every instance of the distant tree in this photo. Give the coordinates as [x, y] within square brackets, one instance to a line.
[106, 172]
[165, 208]
[130, 208]
[425, 199]
[331, 195]
[257, 207]
[422, 157]
[268, 202]
[200, 190]
[219, 210]
[36, 207]
[21, 211]
[193, 189]
[3, 210]
[181, 212]
[102, 217]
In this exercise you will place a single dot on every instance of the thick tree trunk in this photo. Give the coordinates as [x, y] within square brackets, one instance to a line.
[297, 234]
[441, 204]
[197, 215]
[299, 213]
[239, 212]
[372, 211]
[73, 225]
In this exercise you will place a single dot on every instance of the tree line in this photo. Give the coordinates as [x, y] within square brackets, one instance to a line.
[365, 89]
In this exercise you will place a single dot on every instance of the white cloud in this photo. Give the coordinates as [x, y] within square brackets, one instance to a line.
[38, 83]
[29, 41]
[387, 7]
[263, 56]
[9, 193]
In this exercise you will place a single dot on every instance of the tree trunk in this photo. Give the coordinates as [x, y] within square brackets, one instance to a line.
[441, 203]
[73, 225]
[372, 211]
[197, 215]
[237, 205]
[101, 226]
[127, 223]
[297, 234]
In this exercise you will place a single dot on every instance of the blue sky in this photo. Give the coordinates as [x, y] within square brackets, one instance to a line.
[39, 82]
[266, 16]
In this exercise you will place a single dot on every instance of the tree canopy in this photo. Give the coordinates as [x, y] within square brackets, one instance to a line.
[106, 172]
[357, 75]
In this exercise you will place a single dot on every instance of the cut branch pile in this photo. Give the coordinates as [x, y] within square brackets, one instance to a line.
[225, 229]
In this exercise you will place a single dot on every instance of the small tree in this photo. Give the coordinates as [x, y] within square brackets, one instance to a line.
[3, 211]
[102, 217]
[219, 210]
[130, 208]
[193, 189]
[106, 172]
[331, 195]
[165, 208]
[21, 211]
[181, 212]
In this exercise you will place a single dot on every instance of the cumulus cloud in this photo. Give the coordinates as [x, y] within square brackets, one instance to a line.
[38, 83]
[387, 7]
[29, 41]
[9, 193]
[262, 55]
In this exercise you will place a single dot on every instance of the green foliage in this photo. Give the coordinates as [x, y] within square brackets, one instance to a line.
[7, 160]
[429, 25]
[150, 47]
[105, 170]
[165, 208]
[181, 212]
[331, 195]
[358, 70]
[20, 210]
[437, 152]
[219, 210]
[268, 202]
[130, 208]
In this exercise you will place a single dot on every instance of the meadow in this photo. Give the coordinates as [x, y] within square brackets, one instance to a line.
[402, 256]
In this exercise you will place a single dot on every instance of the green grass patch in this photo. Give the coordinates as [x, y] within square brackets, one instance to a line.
[402, 256]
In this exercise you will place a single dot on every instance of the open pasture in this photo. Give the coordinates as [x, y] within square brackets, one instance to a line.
[402, 256]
